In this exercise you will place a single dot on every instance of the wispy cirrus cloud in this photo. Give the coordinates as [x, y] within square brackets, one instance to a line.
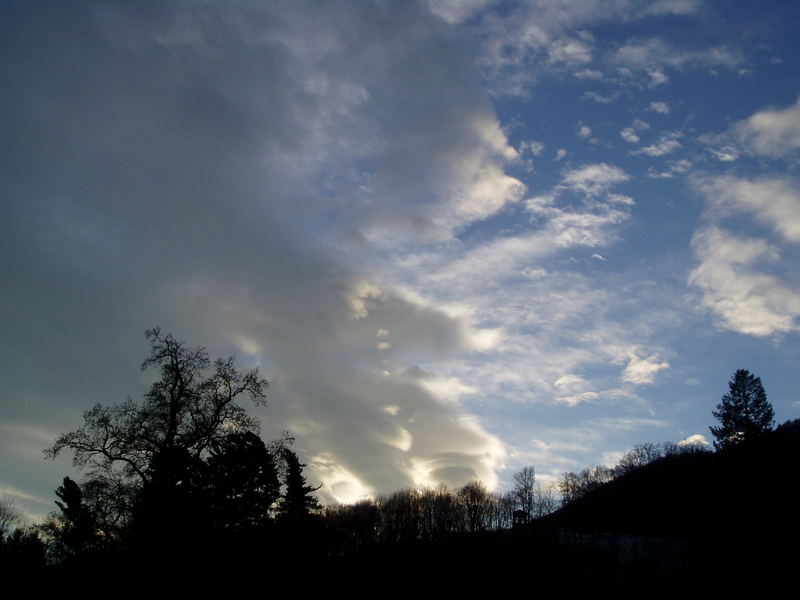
[537, 38]
[655, 53]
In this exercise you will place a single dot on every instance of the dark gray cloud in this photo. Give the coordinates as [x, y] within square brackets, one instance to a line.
[190, 165]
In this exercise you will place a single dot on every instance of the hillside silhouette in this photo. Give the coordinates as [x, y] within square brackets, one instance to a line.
[697, 515]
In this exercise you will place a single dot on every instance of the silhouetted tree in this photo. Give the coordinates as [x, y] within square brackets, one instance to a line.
[298, 498]
[546, 501]
[170, 514]
[644, 454]
[10, 516]
[476, 501]
[187, 408]
[110, 501]
[575, 485]
[73, 528]
[443, 514]
[149, 458]
[353, 525]
[242, 481]
[743, 413]
[506, 509]
[22, 552]
[525, 492]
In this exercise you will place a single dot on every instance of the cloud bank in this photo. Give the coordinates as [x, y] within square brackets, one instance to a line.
[201, 167]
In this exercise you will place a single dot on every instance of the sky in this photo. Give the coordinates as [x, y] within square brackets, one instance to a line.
[457, 237]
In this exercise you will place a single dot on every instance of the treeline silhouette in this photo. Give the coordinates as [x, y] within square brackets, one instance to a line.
[668, 514]
[183, 483]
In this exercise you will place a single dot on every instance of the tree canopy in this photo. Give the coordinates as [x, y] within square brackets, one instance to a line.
[743, 412]
[165, 471]
[190, 407]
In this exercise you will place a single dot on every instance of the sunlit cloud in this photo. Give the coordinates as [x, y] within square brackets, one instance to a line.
[732, 285]
[666, 144]
[774, 133]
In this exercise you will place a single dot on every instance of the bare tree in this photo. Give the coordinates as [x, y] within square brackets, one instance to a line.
[185, 410]
[575, 485]
[476, 501]
[10, 517]
[525, 492]
[546, 501]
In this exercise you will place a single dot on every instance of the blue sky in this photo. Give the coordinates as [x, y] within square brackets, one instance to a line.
[458, 237]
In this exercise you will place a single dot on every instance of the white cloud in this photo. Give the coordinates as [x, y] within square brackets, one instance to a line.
[774, 133]
[724, 154]
[657, 77]
[749, 282]
[671, 7]
[532, 146]
[593, 179]
[590, 74]
[629, 135]
[773, 201]
[641, 371]
[659, 107]
[458, 11]
[599, 98]
[696, 439]
[584, 131]
[676, 167]
[744, 300]
[651, 55]
[561, 153]
[536, 38]
[666, 144]
[569, 51]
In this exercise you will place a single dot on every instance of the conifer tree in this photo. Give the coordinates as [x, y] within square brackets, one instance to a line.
[743, 413]
[298, 500]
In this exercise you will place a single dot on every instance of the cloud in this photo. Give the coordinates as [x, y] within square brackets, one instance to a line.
[569, 51]
[550, 316]
[228, 157]
[629, 135]
[724, 154]
[657, 77]
[590, 74]
[584, 131]
[666, 144]
[600, 99]
[458, 11]
[653, 54]
[773, 201]
[532, 146]
[642, 370]
[696, 439]
[744, 299]
[534, 39]
[748, 281]
[774, 133]
[676, 167]
[661, 108]
[593, 179]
